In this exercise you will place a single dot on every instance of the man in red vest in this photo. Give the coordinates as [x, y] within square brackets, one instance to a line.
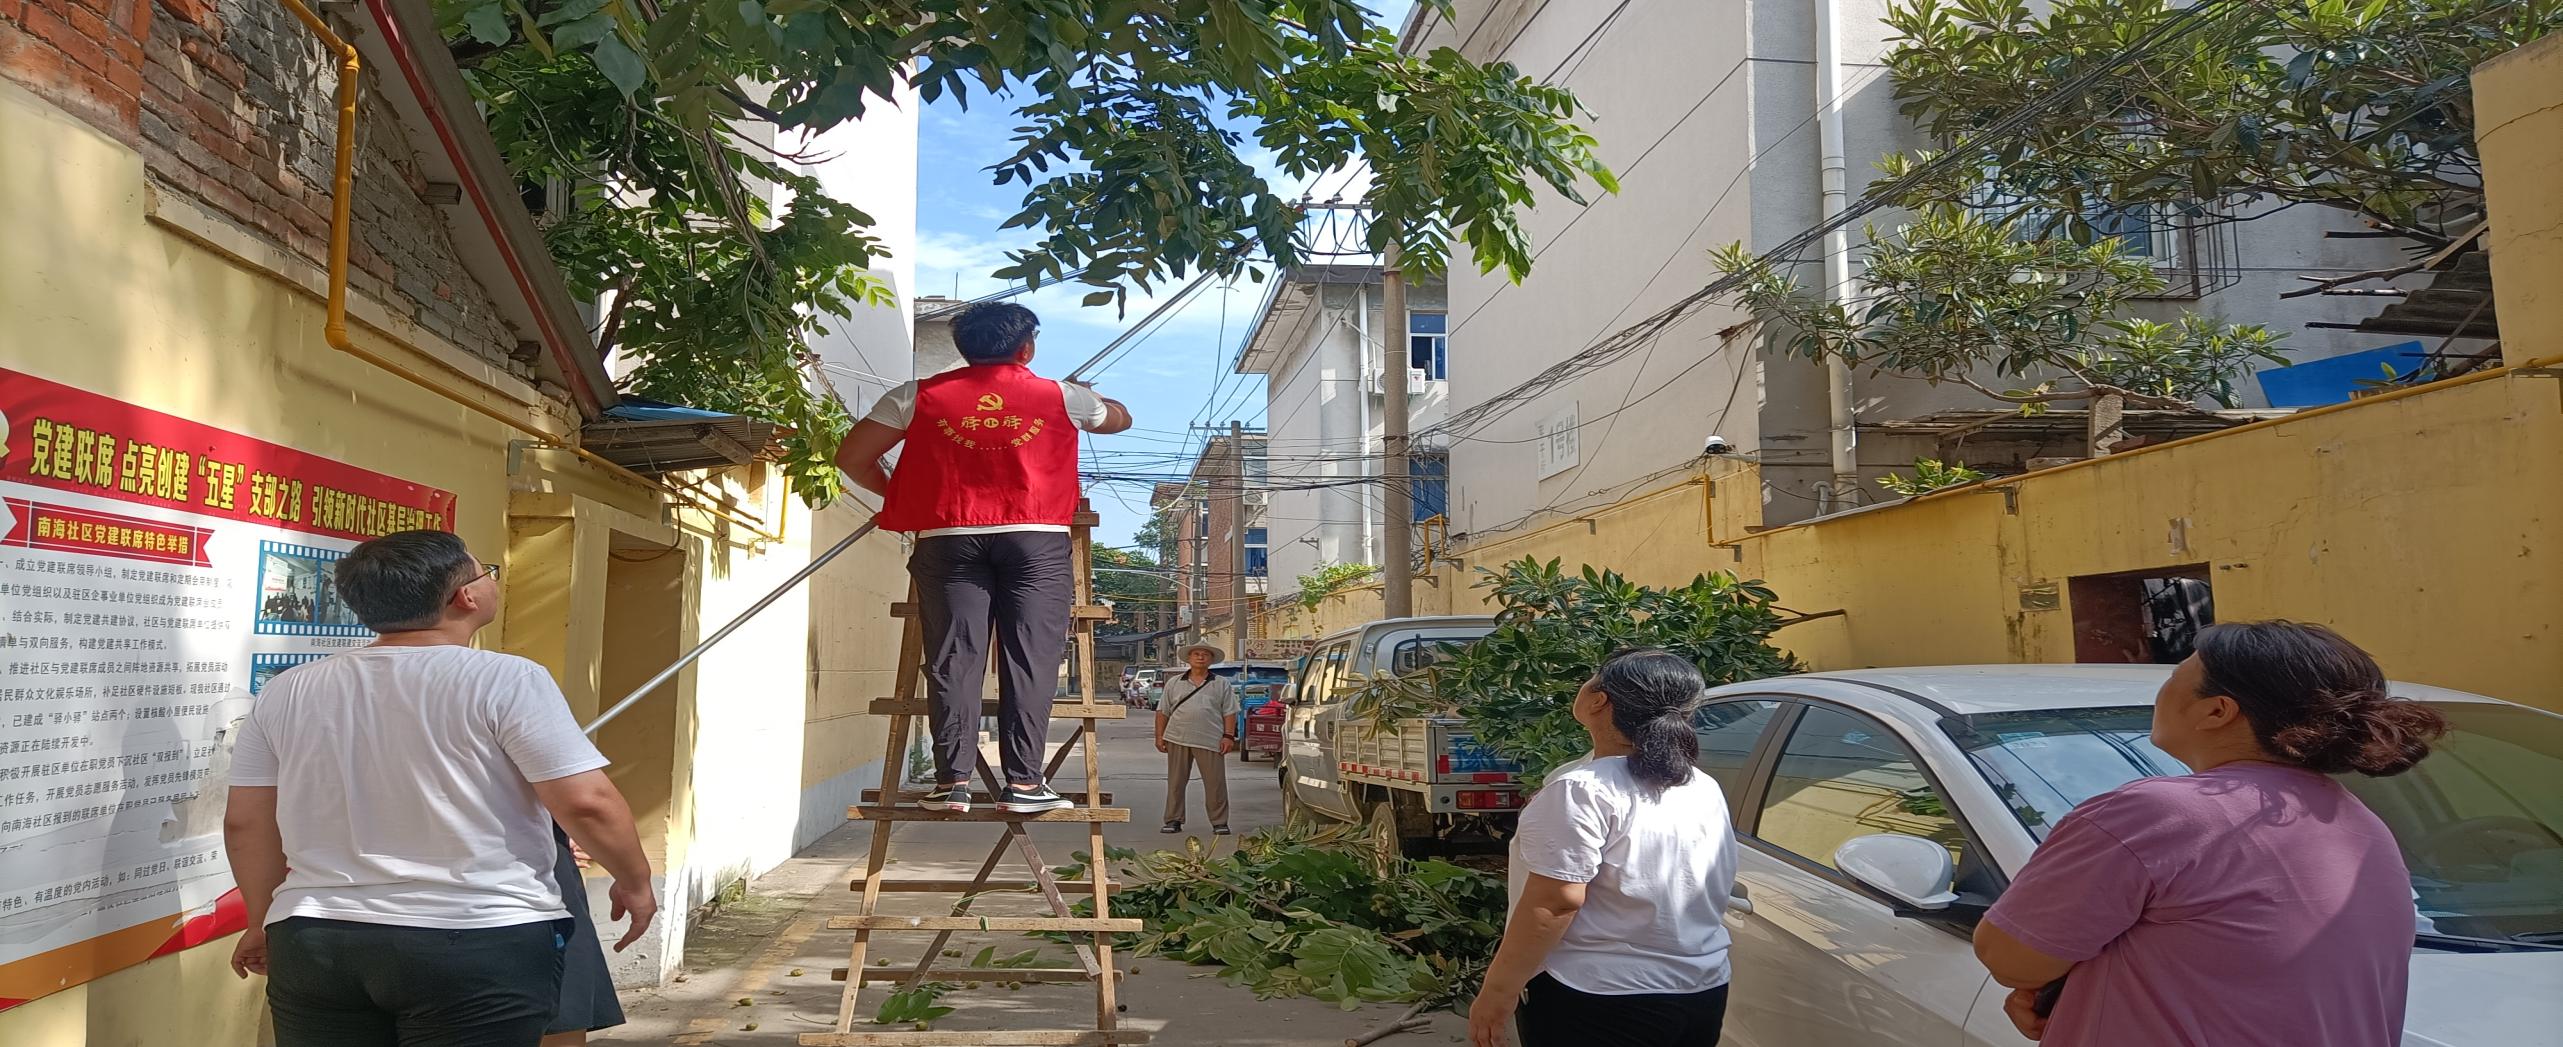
[987, 482]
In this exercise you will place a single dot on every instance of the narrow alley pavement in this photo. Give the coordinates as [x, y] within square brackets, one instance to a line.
[756, 972]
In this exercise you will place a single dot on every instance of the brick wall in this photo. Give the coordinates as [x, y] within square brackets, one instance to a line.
[232, 104]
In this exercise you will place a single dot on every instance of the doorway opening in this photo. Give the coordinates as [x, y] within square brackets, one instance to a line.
[643, 632]
[2149, 617]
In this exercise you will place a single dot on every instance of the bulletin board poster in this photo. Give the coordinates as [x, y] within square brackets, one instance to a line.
[154, 575]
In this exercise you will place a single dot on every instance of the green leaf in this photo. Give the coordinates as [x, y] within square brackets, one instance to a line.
[487, 23]
[619, 64]
[584, 32]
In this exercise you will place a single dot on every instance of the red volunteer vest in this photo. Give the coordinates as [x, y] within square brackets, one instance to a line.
[990, 445]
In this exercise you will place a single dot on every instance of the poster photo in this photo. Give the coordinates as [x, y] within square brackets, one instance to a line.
[155, 575]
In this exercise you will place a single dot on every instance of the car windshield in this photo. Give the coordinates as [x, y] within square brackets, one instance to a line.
[2480, 821]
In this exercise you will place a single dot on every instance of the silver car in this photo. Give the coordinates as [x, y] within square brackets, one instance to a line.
[1982, 761]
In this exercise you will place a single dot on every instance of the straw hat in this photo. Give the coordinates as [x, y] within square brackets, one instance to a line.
[1186, 655]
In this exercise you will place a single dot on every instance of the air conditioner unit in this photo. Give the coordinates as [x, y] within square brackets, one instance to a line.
[1415, 379]
[1258, 499]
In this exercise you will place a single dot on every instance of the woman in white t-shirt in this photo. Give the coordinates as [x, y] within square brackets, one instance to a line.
[1621, 869]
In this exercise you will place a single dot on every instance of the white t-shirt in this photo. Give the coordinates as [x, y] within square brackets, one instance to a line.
[1657, 867]
[898, 407]
[402, 785]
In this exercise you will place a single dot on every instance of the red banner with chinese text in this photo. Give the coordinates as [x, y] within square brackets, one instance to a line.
[54, 436]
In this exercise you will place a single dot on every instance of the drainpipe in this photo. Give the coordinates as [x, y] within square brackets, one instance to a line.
[1840, 423]
[342, 202]
[1361, 401]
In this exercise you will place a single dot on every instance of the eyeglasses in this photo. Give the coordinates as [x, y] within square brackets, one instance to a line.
[488, 570]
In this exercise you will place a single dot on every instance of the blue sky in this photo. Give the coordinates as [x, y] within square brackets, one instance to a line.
[1168, 381]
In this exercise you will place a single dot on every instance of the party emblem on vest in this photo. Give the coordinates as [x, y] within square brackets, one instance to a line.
[991, 402]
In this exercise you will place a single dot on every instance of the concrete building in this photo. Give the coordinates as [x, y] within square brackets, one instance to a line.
[872, 164]
[2308, 516]
[1318, 340]
[1216, 541]
[1708, 114]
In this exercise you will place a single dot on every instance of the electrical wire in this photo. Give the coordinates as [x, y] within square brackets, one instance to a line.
[1879, 195]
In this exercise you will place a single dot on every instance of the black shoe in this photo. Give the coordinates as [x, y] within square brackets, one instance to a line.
[1219, 830]
[954, 798]
[1032, 799]
[1171, 827]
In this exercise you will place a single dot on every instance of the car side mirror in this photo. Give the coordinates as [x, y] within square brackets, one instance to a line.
[1909, 869]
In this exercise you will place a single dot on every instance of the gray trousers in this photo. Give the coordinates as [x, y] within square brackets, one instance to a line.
[1018, 582]
[1180, 760]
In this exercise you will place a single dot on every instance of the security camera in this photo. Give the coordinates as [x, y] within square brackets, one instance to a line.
[1718, 445]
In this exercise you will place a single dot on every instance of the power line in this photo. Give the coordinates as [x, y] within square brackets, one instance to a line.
[1878, 196]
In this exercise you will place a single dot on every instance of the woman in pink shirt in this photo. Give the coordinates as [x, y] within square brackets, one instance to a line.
[2253, 901]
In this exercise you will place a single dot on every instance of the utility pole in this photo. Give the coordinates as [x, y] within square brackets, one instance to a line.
[1236, 499]
[1397, 500]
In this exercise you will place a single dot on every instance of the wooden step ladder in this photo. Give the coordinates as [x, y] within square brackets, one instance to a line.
[890, 805]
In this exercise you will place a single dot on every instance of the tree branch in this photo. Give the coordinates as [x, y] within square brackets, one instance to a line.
[2026, 398]
[2319, 286]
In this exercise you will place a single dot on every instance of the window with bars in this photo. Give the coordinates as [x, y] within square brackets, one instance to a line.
[1257, 553]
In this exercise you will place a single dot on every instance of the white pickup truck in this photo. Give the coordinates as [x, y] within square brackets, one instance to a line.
[1423, 783]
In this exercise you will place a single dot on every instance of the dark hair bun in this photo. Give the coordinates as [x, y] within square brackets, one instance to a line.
[1652, 695]
[2315, 699]
[2371, 733]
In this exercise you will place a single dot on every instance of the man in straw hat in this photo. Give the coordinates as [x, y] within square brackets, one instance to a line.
[1197, 723]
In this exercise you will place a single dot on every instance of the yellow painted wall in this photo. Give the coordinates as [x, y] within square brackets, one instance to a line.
[1341, 609]
[2518, 119]
[2425, 527]
[99, 297]
[854, 645]
[112, 289]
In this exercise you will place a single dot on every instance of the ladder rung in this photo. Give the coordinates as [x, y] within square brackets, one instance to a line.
[1078, 924]
[920, 814]
[903, 972]
[993, 1038]
[956, 885]
[988, 707]
[911, 796]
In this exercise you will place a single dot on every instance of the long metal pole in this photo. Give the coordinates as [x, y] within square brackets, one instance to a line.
[788, 585]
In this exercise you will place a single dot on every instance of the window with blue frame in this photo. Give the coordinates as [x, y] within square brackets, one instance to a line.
[1428, 344]
[1430, 479]
[1257, 554]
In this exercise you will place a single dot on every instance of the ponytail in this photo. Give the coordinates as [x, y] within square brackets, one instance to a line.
[1653, 694]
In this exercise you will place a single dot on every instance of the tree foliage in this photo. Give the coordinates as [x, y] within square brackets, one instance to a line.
[1132, 594]
[1516, 685]
[1930, 474]
[1131, 168]
[1957, 293]
[1303, 913]
[1329, 579]
[2359, 105]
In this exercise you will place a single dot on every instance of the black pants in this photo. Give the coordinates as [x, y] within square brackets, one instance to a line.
[333, 983]
[1019, 582]
[1553, 1015]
